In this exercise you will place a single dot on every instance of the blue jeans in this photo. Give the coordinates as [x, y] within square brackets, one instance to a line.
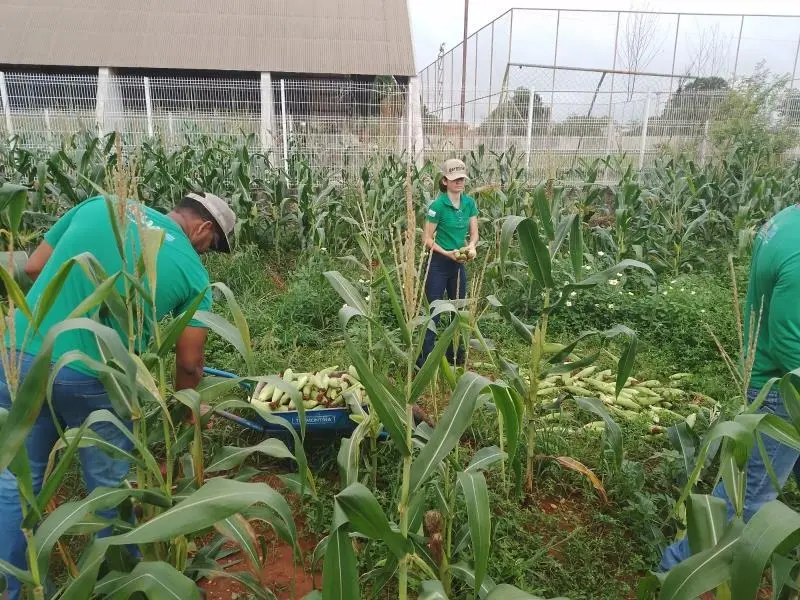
[75, 396]
[444, 275]
[759, 489]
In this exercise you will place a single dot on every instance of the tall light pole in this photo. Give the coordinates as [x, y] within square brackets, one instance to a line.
[464, 74]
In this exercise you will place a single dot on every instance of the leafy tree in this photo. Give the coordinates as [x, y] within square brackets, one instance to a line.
[511, 115]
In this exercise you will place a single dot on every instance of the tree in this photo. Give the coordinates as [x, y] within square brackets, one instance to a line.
[691, 105]
[639, 44]
[511, 115]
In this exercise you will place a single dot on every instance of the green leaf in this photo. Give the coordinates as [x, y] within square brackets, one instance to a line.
[706, 517]
[340, 569]
[175, 328]
[238, 530]
[523, 330]
[394, 300]
[431, 590]
[576, 247]
[156, 580]
[69, 444]
[465, 573]
[705, 571]
[534, 250]
[684, 440]
[543, 210]
[96, 298]
[432, 361]
[229, 333]
[14, 292]
[240, 322]
[625, 364]
[366, 517]
[612, 429]
[485, 458]
[216, 500]
[511, 407]
[228, 457]
[775, 528]
[509, 592]
[479, 517]
[345, 289]
[9, 569]
[13, 200]
[389, 408]
[452, 424]
[350, 452]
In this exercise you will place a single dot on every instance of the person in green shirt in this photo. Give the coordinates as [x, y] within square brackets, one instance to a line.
[773, 301]
[450, 218]
[198, 224]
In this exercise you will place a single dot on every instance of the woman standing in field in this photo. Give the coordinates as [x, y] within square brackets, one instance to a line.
[450, 217]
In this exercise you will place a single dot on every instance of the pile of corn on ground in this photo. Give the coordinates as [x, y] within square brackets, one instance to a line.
[651, 399]
[324, 389]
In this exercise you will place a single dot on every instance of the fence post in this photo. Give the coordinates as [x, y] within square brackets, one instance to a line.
[170, 128]
[704, 144]
[285, 128]
[148, 104]
[530, 130]
[100, 103]
[48, 127]
[644, 132]
[266, 112]
[416, 135]
[6, 104]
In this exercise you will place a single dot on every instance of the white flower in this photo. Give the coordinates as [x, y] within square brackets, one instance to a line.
[664, 292]
[619, 275]
[569, 303]
[601, 253]
[573, 295]
[702, 310]
[323, 249]
[587, 267]
[366, 298]
[597, 306]
[683, 289]
[566, 283]
[630, 293]
[362, 281]
[674, 281]
[611, 307]
[694, 293]
[613, 282]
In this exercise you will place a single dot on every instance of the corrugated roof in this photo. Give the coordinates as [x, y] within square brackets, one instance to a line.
[359, 37]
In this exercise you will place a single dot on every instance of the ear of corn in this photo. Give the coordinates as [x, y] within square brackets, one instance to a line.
[322, 389]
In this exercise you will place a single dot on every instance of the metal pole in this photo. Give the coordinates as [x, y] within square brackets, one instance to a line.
[148, 103]
[464, 74]
[170, 128]
[555, 59]
[6, 104]
[704, 145]
[644, 132]
[48, 127]
[738, 45]
[530, 130]
[510, 37]
[475, 79]
[491, 69]
[674, 53]
[266, 112]
[285, 130]
[796, 56]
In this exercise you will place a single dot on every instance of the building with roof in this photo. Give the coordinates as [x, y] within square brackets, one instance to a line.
[145, 65]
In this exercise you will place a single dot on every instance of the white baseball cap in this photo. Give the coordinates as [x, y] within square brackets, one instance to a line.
[454, 169]
[222, 214]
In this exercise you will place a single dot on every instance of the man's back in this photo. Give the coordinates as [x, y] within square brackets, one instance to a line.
[774, 292]
[87, 229]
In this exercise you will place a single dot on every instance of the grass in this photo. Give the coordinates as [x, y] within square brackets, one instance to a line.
[563, 540]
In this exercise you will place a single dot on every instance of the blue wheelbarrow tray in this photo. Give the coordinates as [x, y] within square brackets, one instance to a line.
[319, 419]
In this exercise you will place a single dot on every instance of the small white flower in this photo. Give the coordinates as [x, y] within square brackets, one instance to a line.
[694, 293]
[573, 295]
[619, 275]
[611, 307]
[683, 289]
[674, 281]
[323, 249]
[597, 306]
[630, 293]
[601, 253]
[613, 282]
[362, 281]
[566, 283]
[702, 310]
[664, 292]
[587, 267]
[569, 303]
[366, 298]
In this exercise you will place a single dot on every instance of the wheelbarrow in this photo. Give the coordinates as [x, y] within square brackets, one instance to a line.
[328, 420]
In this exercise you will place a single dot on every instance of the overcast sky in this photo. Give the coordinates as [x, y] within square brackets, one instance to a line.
[437, 21]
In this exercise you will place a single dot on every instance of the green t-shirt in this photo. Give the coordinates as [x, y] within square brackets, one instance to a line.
[452, 224]
[87, 228]
[775, 285]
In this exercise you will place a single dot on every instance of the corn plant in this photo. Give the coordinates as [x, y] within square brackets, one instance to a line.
[356, 510]
[539, 253]
[161, 513]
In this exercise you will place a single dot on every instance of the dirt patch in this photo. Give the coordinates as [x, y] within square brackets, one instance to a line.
[278, 572]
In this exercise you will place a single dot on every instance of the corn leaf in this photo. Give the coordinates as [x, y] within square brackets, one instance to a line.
[706, 518]
[465, 573]
[340, 570]
[240, 322]
[523, 330]
[238, 530]
[13, 200]
[431, 590]
[510, 405]
[432, 361]
[485, 458]
[576, 246]
[612, 429]
[479, 518]
[156, 580]
[454, 421]
[542, 205]
[229, 457]
[172, 332]
[509, 592]
[345, 289]
[367, 518]
[625, 364]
